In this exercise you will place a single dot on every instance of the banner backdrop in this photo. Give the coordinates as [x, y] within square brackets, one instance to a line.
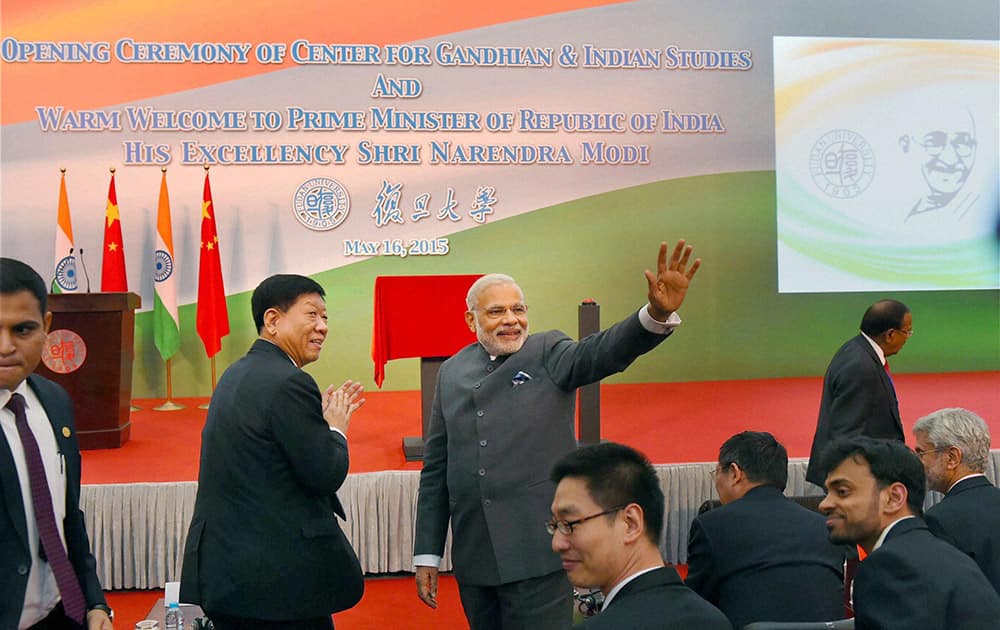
[559, 142]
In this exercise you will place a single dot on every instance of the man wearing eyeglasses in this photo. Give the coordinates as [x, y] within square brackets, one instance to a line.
[607, 517]
[503, 412]
[761, 556]
[859, 397]
[954, 447]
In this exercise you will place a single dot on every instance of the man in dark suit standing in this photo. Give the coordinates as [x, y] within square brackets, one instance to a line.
[47, 571]
[265, 548]
[607, 517]
[503, 412]
[911, 579]
[954, 447]
[858, 395]
[761, 556]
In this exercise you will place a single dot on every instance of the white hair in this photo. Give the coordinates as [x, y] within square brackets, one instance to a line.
[961, 428]
[485, 282]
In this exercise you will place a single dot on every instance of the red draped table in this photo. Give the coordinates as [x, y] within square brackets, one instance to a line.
[420, 316]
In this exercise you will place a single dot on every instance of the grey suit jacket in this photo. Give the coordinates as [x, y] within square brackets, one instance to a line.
[858, 399]
[969, 518]
[15, 557]
[491, 444]
[264, 541]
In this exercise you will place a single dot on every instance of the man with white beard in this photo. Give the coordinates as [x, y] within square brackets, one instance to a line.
[503, 413]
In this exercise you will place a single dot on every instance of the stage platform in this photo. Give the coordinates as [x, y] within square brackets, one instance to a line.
[139, 499]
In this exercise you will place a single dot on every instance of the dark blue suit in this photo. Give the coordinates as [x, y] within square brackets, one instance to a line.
[657, 600]
[969, 518]
[264, 541]
[15, 558]
[858, 399]
[916, 581]
[765, 558]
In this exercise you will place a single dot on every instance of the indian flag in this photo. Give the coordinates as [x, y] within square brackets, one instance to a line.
[166, 332]
[64, 268]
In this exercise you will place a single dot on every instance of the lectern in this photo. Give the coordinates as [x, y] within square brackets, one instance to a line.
[420, 316]
[89, 351]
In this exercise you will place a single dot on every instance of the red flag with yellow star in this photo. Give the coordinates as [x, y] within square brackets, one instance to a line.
[113, 276]
[212, 320]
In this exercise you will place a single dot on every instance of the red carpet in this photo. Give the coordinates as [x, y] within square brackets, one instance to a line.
[670, 422]
[389, 602]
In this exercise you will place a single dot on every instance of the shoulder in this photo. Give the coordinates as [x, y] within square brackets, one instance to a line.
[44, 387]
[54, 398]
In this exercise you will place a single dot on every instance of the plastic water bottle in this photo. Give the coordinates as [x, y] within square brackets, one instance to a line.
[175, 618]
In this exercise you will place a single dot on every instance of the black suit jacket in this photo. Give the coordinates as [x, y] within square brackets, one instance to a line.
[916, 581]
[969, 518]
[264, 541]
[657, 600]
[491, 444]
[15, 557]
[858, 399]
[765, 558]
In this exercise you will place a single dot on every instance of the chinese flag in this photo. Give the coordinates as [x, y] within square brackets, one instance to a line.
[113, 276]
[212, 319]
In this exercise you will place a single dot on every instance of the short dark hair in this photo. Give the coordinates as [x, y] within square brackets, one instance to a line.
[882, 316]
[280, 291]
[617, 475]
[890, 461]
[762, 458]
[16, 276]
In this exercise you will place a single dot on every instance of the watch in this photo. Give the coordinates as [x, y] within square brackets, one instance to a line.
[105, 608]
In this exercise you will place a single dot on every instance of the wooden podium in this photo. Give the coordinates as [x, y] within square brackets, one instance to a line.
[89, 352]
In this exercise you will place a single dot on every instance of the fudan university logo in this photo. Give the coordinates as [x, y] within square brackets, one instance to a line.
[321, 203]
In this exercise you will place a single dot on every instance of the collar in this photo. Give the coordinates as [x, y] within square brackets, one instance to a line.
[885, 532]
[22, 389]
[876, 348]
[959, 481]
[279, 348]
[618, 587]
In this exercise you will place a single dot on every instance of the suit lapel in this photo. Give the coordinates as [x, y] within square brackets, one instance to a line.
[887, 383]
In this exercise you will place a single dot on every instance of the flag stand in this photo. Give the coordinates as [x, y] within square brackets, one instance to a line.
[168, 404]
[205, 405]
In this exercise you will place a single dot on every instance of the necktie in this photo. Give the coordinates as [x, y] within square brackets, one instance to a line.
[69, 588]
[886, 366]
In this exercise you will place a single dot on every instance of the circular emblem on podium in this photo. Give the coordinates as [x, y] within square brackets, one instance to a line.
[321, 203]
[64, 351]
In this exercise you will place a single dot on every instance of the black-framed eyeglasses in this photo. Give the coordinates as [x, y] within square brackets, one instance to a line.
[566, 527]
[921, 454]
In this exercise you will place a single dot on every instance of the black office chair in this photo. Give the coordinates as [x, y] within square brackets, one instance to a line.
[840, 624]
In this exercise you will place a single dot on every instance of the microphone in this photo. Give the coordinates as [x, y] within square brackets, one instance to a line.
[85, 274]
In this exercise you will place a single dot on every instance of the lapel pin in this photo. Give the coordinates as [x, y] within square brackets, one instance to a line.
[66, 432]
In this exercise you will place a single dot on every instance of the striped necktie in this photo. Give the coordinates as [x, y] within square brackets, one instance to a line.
[69, 587]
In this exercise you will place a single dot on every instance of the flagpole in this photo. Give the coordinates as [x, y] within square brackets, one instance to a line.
[168, 404]
[212, 360]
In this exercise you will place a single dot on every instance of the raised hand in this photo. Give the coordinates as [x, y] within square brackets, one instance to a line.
[668, 287]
